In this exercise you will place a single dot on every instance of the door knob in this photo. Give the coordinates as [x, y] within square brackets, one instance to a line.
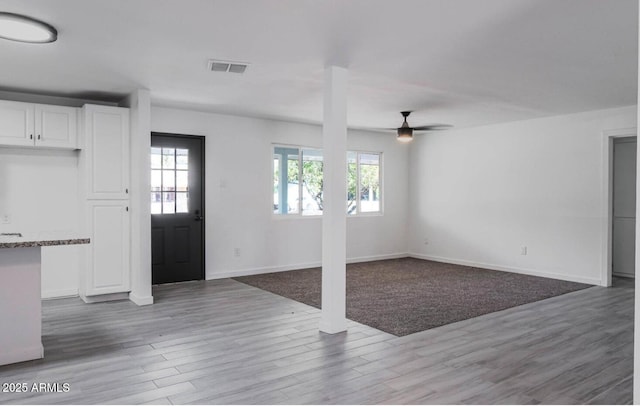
[198, 216]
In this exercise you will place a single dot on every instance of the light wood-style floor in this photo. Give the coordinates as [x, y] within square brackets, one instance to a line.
[223, 342]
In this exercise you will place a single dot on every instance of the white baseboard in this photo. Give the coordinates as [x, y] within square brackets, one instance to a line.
[283, 268]
[523, 271]
[265, 269]
[625, 275]
[105, 298]
[141, 300]
[355, 260]
[13, 355]
[59, 294]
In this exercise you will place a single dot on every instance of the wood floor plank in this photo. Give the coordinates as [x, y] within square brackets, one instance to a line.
[619, 394]
[143, 397]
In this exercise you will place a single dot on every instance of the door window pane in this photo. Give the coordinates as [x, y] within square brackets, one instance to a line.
[168, 202]
[168, 180]
[182, 202]
[169, 173]
[182, 159]
[156, 180]
[156, 158]
[168, 158]
[182, 181]
[156, 203]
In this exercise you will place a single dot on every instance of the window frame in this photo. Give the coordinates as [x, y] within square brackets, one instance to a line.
[359, 212]
[299, 214]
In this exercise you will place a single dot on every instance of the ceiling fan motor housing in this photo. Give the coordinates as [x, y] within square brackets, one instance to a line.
[405, 133]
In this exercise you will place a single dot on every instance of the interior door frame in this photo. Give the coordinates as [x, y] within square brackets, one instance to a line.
[608, 137]
[203, 210]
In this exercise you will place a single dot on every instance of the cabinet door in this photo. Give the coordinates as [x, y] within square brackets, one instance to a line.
[16, 123]
[55, 126]
[108, 259]
[107, 143]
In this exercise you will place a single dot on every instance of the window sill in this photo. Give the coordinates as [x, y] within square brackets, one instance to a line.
[280, 217]
[370, 214]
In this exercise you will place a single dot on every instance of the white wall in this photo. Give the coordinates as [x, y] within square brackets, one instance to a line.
[476, 194]
[479, 194]
[39, 189]
[239, 195]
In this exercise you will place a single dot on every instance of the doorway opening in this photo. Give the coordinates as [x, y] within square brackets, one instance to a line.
[620, 157]
[177, 208]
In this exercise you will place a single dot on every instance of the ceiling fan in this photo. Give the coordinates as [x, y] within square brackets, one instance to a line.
[405, 132]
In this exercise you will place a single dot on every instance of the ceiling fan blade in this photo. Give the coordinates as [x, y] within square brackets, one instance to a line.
[432, 127]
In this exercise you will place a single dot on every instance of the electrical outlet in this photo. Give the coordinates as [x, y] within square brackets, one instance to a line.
[426, 241]
[6, 219]
[236, 252]
[523, 250]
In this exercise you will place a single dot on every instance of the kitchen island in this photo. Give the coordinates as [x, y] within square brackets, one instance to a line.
[20, 294]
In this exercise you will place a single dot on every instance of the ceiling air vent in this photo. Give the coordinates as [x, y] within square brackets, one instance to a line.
[227, 66]
[237, 68]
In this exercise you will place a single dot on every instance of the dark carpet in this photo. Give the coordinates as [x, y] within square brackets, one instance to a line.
[407, 295]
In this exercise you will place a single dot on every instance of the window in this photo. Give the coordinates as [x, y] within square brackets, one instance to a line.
[298, 183]
[363, 182]
[169, 180]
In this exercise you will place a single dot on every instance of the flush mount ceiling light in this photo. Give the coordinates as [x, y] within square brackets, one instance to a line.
[16, 27]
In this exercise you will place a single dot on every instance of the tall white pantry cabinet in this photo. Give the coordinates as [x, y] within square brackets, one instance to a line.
[105, 177]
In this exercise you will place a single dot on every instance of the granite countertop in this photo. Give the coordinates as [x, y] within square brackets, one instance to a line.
[19, 240]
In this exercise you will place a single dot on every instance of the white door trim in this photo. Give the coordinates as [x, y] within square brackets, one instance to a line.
[607, 198]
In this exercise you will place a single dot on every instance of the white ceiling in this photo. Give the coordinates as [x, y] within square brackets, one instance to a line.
[463, 62]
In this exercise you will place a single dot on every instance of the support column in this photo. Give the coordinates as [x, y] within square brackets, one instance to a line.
[139, 101]
[334, 216]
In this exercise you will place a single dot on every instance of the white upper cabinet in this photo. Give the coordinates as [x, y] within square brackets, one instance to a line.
[16, 123]
[106, 133]
[56, 126]
[39, 125]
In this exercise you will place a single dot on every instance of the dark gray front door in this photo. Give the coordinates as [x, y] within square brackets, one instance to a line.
[177, 207]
